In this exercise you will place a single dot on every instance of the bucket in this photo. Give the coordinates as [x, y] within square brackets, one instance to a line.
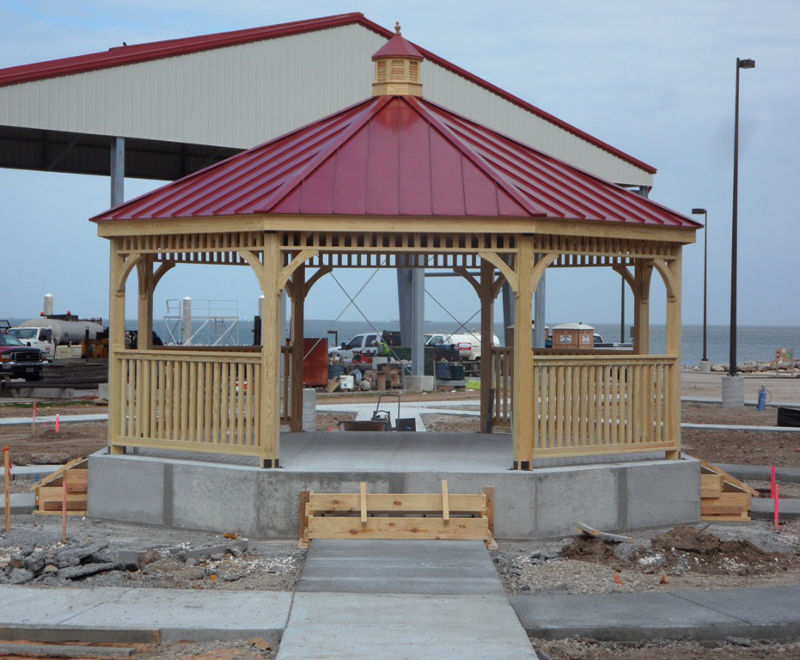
[347, 382]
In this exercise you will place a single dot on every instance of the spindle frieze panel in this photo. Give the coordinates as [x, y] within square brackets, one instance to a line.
[393, 242]
[622, 248]
[223, 242]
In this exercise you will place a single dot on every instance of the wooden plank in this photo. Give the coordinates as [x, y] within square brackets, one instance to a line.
[57, 473]
[710, 485]
[726, 518]
[445, 502]
[727, 479]
[391, 502]
[600, 534]
[53, 493]
[726, 504]
[399, 528]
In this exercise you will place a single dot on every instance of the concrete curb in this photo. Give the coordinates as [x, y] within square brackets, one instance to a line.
[86, 634]
[21, 503]
[761, 472]
[763, 509]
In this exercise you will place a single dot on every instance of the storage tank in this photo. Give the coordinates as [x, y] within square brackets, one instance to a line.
[65, 332]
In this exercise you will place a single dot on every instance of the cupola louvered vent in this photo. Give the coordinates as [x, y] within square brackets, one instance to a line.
[397, 68]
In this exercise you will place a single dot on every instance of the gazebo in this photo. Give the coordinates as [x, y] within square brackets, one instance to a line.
[395, 181]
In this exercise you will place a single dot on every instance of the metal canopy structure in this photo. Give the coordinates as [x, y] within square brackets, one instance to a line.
[183, 103]
[396, 181]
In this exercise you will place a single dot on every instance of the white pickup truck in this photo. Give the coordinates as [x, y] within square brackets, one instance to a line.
[364, 342]
[468, 345]
[41, 338]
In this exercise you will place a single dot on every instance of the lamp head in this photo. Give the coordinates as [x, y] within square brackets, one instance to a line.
[699, 211]
[746, 63]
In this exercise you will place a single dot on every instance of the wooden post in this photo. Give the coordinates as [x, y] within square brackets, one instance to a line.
[523, 356]
[64, 508]
[674, 349]
[269, 425]
[295, 404]
[488, 491]
[641, 309]
[487, 332]
[303, 542]
[144, 270]
[116, 342]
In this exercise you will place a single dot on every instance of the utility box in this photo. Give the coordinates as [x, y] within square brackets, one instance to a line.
[573, 335]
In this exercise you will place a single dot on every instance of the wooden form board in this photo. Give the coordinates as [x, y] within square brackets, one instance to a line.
[397, 515]
[72, 477]
[723, 498]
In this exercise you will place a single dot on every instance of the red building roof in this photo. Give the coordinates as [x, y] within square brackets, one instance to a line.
[396, 156]
[122, 55]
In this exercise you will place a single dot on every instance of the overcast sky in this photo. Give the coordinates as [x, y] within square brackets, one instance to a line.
[655, 79]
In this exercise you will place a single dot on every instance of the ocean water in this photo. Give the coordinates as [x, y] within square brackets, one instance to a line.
[754, 343]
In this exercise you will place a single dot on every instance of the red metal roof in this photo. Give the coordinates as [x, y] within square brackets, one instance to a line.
[122, 55]
[397, 46]
[397, 156]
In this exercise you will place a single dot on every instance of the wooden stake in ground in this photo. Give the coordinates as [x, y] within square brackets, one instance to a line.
[64, 509]
[7, 465]
[33, 421]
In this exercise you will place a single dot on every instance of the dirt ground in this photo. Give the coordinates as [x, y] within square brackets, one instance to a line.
[735, 649]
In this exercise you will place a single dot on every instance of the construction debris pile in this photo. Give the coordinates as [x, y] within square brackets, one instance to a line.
[681, 557]
[38, 557]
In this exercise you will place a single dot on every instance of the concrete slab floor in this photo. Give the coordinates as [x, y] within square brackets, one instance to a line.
[373, 626]
[400, 567]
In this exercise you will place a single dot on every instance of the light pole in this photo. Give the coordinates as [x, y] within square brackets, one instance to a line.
[704, 213]
[740, 64]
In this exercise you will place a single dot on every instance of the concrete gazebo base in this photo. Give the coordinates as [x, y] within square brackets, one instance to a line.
[226, 494]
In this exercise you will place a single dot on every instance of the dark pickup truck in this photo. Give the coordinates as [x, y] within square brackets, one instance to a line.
[18, 360]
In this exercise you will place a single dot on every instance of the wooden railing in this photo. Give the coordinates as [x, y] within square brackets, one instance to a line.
[197, 400]
[502, 364]
[599, 404]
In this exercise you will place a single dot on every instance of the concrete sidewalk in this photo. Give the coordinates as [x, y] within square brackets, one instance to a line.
[115, 614]
[394, 599]
[761, 613]
[401, 599]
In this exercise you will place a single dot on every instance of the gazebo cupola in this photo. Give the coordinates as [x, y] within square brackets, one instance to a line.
[397, 68]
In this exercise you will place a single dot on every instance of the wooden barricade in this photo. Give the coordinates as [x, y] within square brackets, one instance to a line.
[397, 516]
[723, 498]
[49, 491]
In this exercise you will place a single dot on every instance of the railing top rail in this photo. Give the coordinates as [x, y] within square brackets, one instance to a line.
[178, 352]
[603, 358]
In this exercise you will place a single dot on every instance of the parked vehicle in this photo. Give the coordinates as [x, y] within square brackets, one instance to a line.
[362, 343]
[41, 338]
[18, 360]
[468, 345]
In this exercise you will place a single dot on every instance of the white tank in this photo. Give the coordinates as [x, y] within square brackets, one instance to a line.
[48, 304]
[65, 332]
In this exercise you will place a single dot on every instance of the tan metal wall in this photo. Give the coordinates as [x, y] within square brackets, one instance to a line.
[243, 95]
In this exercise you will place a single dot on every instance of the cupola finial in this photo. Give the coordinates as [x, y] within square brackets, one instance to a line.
[397, 68]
